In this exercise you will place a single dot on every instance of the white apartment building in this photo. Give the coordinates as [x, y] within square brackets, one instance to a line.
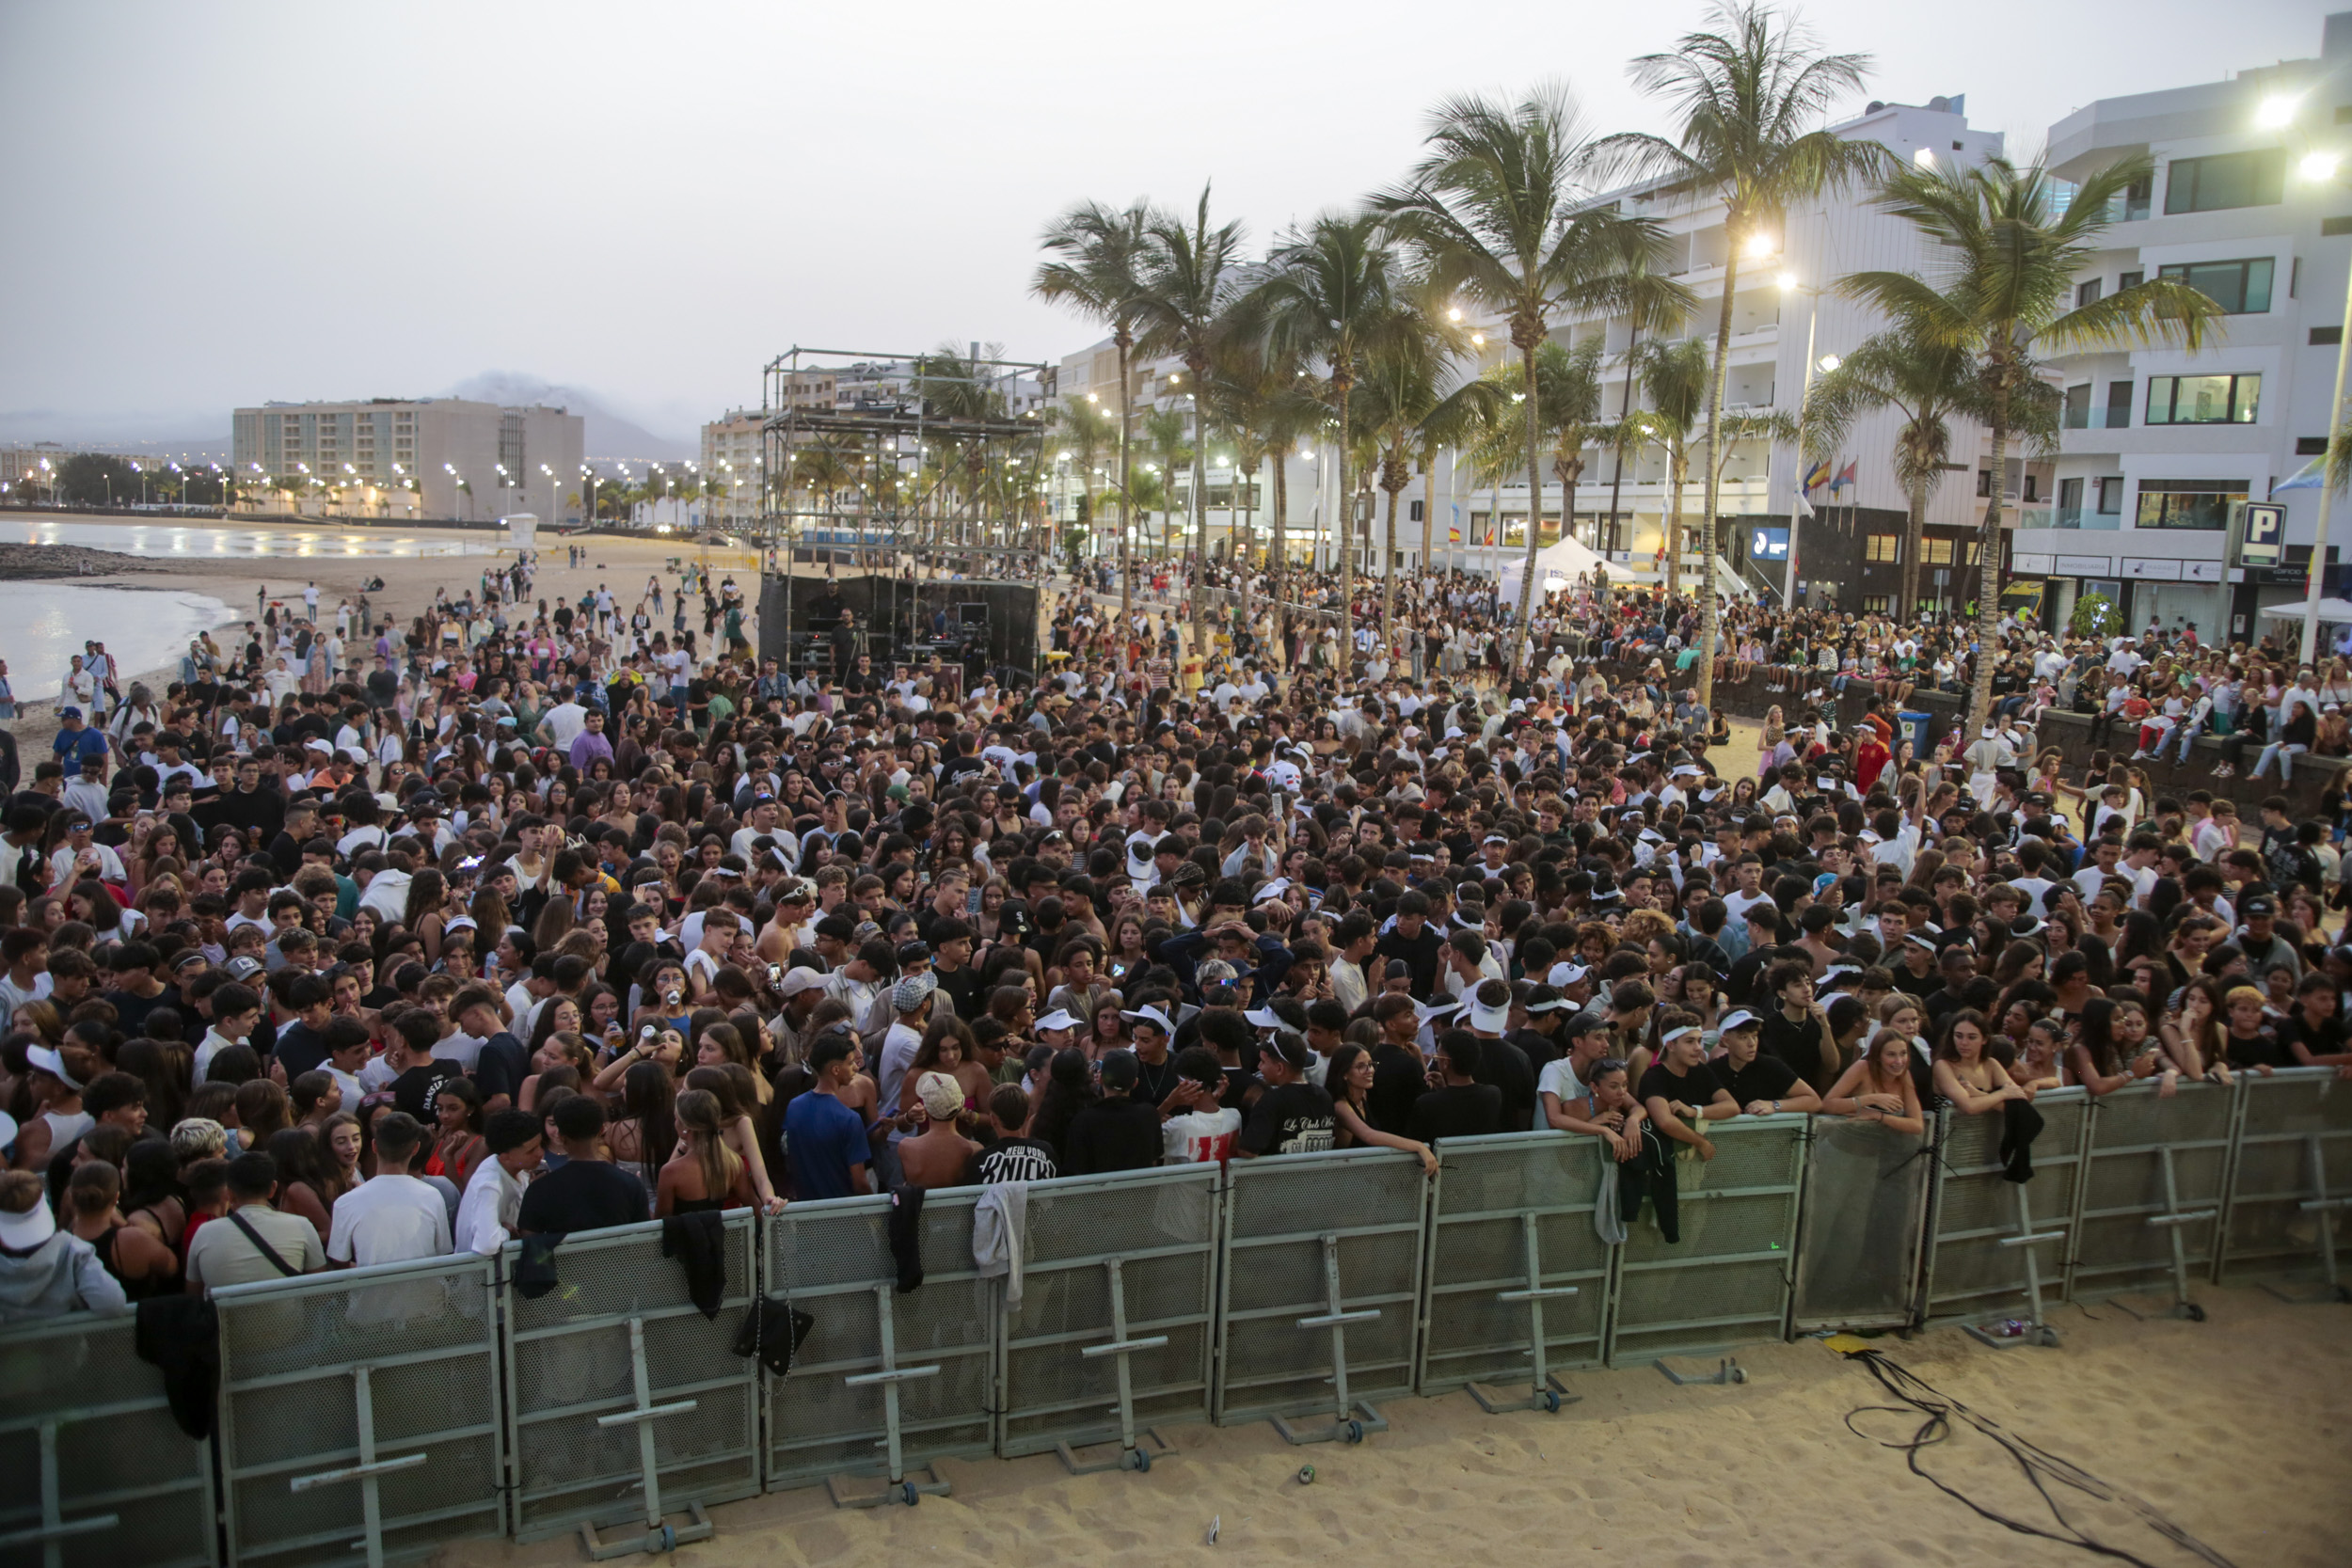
[509, 460]
[732, 455]
[2247, 204]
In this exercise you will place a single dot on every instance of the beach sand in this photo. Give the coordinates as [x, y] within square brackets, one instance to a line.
[409, 582]
[2238, 1429]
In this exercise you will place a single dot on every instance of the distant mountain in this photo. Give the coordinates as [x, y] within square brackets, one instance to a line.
[606, 434]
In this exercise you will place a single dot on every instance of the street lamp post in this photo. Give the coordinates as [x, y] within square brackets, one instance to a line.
[2316, 167]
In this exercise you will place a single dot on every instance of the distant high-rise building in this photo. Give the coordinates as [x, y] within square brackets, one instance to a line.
[463, 459]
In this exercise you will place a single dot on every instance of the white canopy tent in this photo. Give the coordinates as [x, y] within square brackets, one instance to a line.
[1556, 566]
[2331, 611]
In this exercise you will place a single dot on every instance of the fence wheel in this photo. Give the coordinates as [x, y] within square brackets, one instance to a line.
[1354, 1431]
[909, 1492]
[1551, 1400]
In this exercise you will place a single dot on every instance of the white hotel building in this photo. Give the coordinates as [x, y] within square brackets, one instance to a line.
[2159, 443]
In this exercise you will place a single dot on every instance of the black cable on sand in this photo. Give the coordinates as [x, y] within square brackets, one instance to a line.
[2043, 1469]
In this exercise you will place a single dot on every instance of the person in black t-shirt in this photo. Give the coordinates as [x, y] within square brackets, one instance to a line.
[2313, 1033]
[1797, 1030]
[1758, 1085]
[1415, 944]
[1399, 1075]
[419, 1076]
[1457, 1106]
[1680, 1090]
[503, 1064]
[1292, 1117]
[1501, 1065]
[587, 1192]
[1005, 1155]
[1116, 1132]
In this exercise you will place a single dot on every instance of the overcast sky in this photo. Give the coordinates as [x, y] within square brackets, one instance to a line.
[227, 203]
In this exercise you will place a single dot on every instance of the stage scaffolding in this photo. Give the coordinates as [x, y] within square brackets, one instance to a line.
[906, 404]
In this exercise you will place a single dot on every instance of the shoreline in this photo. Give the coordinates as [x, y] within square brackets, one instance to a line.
[623, 564]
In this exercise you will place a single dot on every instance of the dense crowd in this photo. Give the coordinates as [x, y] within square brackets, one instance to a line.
[542, 917]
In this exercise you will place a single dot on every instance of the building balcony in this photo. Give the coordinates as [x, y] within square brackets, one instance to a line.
[2096, 418]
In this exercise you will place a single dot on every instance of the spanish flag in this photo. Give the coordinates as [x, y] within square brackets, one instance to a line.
[1818, 475]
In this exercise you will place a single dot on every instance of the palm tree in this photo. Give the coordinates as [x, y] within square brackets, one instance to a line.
[1186, 276]
[1929, 384]
[2010, 253]
[1656, 303]
[1750, 99]
[1673, 376]
[1270, 404]
[1099, 253]
[1331, 295]
[1084, 431]
[1413, 400]
[827, 469]
[1168, 437]
[1487, 210]
[1568, 392]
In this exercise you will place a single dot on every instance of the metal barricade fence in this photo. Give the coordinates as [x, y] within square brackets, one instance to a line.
[626, 1402]
[1863, 1221]
[1321, 1286]
[99, 1473]
[879, 1369]
[1119, 1296]
[359, 1413]
[1517, 1273]
[1727, 1280]
[2153, 1172]
[1993, 1245]
[2291, 1178]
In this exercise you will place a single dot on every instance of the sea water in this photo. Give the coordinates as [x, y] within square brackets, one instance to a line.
[221, 542]
[44, 623]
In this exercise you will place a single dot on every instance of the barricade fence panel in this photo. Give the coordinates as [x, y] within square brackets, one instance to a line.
[1864, 1218]
[1975, 1265]
[1511, 1223]
[1727, 1280]
[2292, 1167]
[1292, 1220]
[96, 1466]
[1153, 1237]
[385, 1379]
[833, 1261]
[2153, 1163]
[619, 1333]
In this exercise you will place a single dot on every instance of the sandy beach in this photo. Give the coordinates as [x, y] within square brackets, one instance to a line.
[409, 582]
[2238, 1429]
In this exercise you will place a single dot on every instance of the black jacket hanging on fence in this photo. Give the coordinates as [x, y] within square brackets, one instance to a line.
[2020, 1125]
[699, 1242]
[180, 1334]
[1650, 1174]
[535, 1270]
[772, 1330]
[906, 1235]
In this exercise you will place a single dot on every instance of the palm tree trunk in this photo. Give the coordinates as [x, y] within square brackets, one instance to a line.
[1625, 412]
[1677, 475]
[1281, 550]
[1126, 517]
[1343, 531]
[1989, 566]
[1387, 576]
[1908, 606]
[1523, 634]
[1198, 366]
[1716, 385]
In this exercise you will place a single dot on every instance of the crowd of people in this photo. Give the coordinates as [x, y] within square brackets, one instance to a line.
[541, 917]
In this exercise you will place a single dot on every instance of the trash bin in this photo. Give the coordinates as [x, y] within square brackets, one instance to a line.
[1913, 728]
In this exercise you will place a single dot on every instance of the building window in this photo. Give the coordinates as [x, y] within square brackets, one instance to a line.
[2327, 337]
[2119, 405]
[2254, 179]
[2111, 496]
[2069, 500]
[2188, 503]
[1875, 604]
[2202, 399]
[2033, 488]
[2240, 288]
[1884, 547]
[1984, 482]
[2131, 280]
[1936, 552]
[2087, 292]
